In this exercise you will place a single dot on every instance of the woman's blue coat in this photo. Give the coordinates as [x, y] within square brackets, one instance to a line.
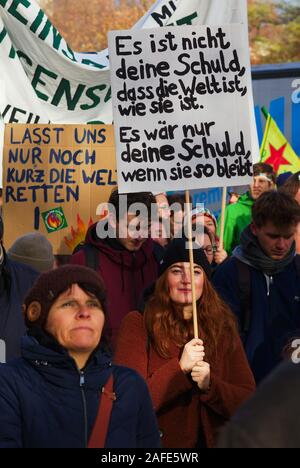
[46, 402]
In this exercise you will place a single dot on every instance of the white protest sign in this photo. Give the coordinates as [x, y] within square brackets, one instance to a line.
[181, 107]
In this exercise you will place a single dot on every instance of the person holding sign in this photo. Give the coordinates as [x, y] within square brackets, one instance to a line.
[195, 384]
[208, 243]
[64, 392]
[206, 226]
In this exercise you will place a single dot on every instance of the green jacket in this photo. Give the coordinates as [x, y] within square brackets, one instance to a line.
[237, 217]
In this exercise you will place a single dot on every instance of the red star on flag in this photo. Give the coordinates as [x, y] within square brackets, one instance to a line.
[276, 158]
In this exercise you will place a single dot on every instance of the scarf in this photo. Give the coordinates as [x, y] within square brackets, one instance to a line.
[251, 253]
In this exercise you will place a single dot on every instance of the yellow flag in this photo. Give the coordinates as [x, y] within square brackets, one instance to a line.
[276, 151]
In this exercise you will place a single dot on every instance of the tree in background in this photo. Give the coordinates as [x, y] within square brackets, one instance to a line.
[84, 23]
[274, 24]
[274, 31]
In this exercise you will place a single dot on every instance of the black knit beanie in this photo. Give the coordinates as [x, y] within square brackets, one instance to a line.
[178, 252]
[52, 284]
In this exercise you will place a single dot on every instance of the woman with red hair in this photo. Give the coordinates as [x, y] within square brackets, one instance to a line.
[196, 384]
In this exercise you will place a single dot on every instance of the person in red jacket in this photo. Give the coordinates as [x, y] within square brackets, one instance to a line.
[196, 385]
[125, 257]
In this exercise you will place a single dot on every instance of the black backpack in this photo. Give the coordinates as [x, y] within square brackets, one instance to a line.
[244, 284]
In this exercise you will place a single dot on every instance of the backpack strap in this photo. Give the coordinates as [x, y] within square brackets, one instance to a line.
[297, 263]
[91, 254]
[244, 284]
[99, 432]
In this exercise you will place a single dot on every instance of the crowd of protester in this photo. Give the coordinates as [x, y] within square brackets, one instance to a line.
[110, 337]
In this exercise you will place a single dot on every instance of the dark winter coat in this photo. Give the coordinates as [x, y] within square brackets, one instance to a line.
[271, 418]
[125, 274]
[45, 402]
[275, 312]
[15, 281]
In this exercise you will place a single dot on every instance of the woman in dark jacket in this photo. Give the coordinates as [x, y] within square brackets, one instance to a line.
[195, 384]
[50, 397]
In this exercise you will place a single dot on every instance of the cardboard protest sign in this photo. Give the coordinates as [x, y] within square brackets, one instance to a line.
[181, 107]
[54, 178]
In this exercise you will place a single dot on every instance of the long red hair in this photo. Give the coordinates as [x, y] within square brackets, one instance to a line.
[165, 323]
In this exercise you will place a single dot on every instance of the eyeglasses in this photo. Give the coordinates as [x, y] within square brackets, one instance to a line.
[210, 249]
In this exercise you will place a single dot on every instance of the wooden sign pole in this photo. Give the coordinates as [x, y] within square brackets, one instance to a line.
[191, 252]
[224, 196]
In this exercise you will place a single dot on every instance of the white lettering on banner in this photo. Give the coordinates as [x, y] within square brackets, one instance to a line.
[2, 352]
[181, 107]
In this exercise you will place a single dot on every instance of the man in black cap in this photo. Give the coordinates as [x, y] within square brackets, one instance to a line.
[15, 281]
